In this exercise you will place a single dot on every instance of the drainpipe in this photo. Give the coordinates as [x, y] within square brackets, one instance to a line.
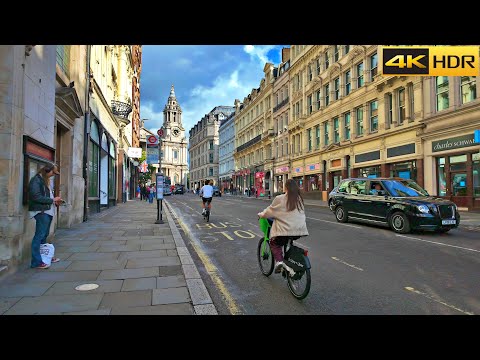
[86, 135]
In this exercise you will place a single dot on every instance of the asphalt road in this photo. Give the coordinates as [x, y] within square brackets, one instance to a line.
[356, 268]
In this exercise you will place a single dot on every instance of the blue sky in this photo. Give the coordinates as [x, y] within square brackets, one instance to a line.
[204, 76]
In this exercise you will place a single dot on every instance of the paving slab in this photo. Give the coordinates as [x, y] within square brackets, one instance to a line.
[68, 243]
[168, 309]
[128, 247]
[95, 256]
[149, 262]
[63, 255]
[146, 254]
[96, 265]
[76, 249]
[155, 246]
[68, 287]
[31, 288]
[90, 312]
[129, 273]
[172, 252]
[110, 242]
[60, 266]
[55, 304]
[127, 299]
[170, 270]
[6, 303]
[46, 275]
[164, 282]
[170, 296]
[149, 283]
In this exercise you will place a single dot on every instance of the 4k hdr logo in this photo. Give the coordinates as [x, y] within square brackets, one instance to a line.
[431, 60]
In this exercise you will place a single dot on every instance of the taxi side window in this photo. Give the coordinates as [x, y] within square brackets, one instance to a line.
[343, 187]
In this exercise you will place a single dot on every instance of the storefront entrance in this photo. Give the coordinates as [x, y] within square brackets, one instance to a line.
[455, 179]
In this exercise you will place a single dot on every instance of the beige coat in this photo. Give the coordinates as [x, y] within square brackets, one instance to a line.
[287, 223]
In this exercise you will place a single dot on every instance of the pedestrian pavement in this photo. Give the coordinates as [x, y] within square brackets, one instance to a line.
[129, 264]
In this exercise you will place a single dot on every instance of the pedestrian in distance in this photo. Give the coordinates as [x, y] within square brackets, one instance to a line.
[41, 205]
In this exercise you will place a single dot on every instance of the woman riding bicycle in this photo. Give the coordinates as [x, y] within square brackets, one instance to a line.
[288, 212]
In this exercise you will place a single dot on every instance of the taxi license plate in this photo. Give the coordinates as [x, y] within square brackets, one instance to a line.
[449, 222]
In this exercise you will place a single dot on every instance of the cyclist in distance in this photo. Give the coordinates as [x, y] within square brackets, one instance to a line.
[288, 212]
[206, 192]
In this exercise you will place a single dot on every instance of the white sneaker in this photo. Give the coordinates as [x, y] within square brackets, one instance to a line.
[278, 267]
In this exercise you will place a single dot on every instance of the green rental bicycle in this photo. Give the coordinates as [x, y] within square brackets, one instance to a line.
[296, 264]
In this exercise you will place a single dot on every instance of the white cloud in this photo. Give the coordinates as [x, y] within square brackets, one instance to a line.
[259, 52]
[155, 119]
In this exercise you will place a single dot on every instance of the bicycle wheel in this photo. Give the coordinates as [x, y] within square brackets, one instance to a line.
[265, 260]
[208, 215]
[299, 287]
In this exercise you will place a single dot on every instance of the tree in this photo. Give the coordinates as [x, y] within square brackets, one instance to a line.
[143, 178]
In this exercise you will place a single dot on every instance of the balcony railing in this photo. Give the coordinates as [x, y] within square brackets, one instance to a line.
[284, 101]
[121, 109]
[249, 143]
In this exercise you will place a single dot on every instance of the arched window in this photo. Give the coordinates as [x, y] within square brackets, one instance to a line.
[104, 143]
[94, 132]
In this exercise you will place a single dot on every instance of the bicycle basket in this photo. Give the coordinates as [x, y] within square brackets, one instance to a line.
[295, 258]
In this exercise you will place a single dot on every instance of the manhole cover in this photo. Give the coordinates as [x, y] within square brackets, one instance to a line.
[86, 287]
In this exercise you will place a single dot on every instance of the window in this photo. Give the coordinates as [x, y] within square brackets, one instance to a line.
[310, 73]
[336, 130]
[93, 161]
[373, 66]
[309, 103]
[336, 84]
[401, 106]
[346, 49]
[175, 154]
[347, 82]
[360, 75]
[309, 136]
[317, 136]
[336, 52]
[63, 58]
[318, 99]
[476, 175]
[374, 116]
[210, 158]
[411, 100]
[389, 108]
[327, 62]
[327, 96]
[468, 88]
[318, 66]
[346, 125]
[359, 120]
[210, 171]
[211, 145]
[441, 89]
[325, 133]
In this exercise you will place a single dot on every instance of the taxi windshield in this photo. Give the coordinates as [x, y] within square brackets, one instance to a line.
[404, 188]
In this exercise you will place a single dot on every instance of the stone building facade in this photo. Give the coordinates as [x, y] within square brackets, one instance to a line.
[254, 136]
[226, 161]
[203, 146]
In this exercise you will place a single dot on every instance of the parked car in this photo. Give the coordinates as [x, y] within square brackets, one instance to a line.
[216, 191]
[401, 204]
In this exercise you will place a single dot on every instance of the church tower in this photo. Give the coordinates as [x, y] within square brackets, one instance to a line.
[174, 144]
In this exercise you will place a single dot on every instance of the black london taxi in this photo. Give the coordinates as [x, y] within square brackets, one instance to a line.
[401, 204]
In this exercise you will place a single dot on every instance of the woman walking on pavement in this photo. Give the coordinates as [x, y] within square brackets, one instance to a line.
[41, 205]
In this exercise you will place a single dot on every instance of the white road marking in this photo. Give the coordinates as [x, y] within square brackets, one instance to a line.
[343, 262]
[438, 243]
[336, 223]
[438, 301]
[239, 219]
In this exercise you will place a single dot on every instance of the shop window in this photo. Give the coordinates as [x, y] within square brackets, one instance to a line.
[476, 174]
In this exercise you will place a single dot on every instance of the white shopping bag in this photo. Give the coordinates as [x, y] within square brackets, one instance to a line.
[47, 251]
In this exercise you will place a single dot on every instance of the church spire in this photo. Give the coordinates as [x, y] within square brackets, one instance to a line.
[172, 92]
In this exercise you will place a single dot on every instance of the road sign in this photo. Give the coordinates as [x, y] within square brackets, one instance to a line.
[160, 132]
[152, 140]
